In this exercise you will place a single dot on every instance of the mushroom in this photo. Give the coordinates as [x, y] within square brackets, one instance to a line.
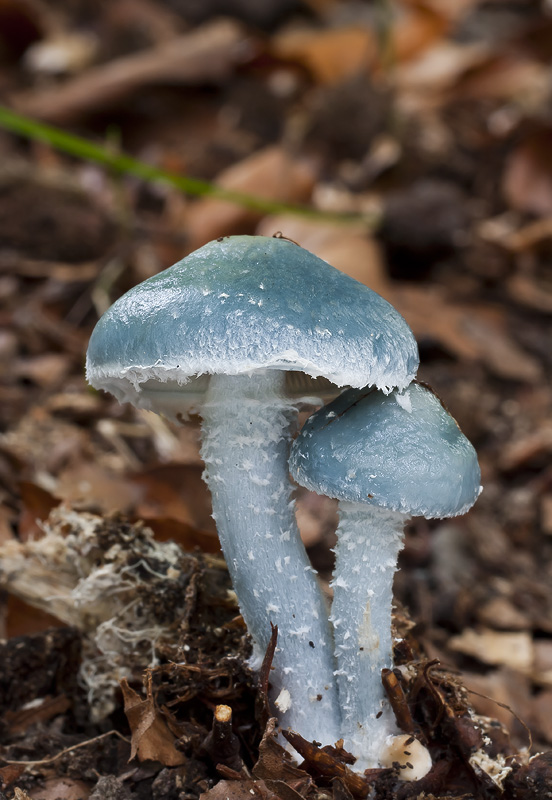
[217, 332]
[384, 458]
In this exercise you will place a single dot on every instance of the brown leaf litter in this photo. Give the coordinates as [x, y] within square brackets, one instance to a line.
[470, 753]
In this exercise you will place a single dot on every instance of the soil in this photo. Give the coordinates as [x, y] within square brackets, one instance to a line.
[120, 635]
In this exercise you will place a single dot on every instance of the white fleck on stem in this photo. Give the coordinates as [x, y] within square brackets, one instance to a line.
[247, 427]
[368, 543]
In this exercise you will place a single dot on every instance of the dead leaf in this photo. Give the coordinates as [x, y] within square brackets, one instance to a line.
[546, 514]
[37, 504]
[271, 173]
[542, 670]
[504, 76]
[416, 28]
[514, 650]
[499, 695]
[527, 178]
[275, 764]
[422, 81]
[9, 774]
[184, 534]
[45, 370]
[7, 523]
[542, 714]
[334, 55]
[59, 789]
[531, 293]
[91, 485]
[239, 790]
[78, 407]
[331, 56]
[23, 619]
[48, 708]
[453, 12]
[177, 491]
[500, 612]
[520, 451]
[151, 737]
[474, 333]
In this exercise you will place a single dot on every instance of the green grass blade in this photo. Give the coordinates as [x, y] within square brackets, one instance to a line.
[124, 164]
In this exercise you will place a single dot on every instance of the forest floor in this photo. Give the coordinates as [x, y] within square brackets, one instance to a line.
[429, 123]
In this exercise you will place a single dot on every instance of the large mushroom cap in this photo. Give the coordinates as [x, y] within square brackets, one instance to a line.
[244, 303]
[403, 452]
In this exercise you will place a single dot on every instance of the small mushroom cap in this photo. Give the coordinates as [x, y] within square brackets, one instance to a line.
[402, 451]
[245, 303]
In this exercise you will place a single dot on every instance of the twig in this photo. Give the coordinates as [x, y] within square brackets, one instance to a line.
[204, 55]
[51, 759]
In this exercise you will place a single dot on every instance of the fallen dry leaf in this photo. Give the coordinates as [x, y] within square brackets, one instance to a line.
[546, 514]
[423, 82]
[514, 650]
[59, 789]
[37, 504]
[474, 333]
[542, 714]
[23, 619]
[501, 612]
[276, 767]
[151, 736]
[9, 774]
[527, 178]
[453, 12]
[520, 451]
[504, 76]
[239, 790]
[176, 491]
[94, 486]
[271, 173]
[45, 370]
[531, 293]
[46, 709]
[500, 694]
[542, 667]
[7, 523]
[416, 28]
[331, 56]
[187, 536]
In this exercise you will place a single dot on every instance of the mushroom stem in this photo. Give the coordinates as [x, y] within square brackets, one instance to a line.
[247, 427]
[369, 539]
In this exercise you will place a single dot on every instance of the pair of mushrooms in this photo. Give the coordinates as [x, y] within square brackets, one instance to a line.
[220, 333]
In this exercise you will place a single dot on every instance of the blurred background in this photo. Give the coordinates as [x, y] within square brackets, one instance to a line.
[425, 128]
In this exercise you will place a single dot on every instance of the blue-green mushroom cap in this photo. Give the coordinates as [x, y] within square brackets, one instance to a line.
[401, 451]
[241, 304]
